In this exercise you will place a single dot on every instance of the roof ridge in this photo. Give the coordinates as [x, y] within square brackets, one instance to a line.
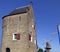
[22, 7]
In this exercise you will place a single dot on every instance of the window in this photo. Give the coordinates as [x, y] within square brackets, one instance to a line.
[16, 36]
[33, 26]
[30, 37]
[7, 49]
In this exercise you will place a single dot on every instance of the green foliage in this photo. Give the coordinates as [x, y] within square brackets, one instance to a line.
[40, 50]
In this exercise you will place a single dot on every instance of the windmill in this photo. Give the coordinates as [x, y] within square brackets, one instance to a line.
[48, 46]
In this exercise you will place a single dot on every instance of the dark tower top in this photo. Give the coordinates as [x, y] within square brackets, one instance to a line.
[18, 11]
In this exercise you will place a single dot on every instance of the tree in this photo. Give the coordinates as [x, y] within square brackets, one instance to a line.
[40, 50]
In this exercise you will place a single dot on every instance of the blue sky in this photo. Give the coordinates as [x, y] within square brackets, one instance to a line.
[47, 16]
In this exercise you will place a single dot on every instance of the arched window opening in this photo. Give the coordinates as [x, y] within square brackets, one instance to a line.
[7, 49]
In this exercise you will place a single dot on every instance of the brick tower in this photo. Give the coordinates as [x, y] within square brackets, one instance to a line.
[19, 31]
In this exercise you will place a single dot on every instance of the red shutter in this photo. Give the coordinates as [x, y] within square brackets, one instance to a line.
[29, 37]
[18, 36]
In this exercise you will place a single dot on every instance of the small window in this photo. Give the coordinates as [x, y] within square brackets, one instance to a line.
[7, 49]
[30, 37]
[33, 26]
[16, 36]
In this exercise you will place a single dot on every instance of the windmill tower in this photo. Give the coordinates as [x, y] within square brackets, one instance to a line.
[19, 31]
[48, 47]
